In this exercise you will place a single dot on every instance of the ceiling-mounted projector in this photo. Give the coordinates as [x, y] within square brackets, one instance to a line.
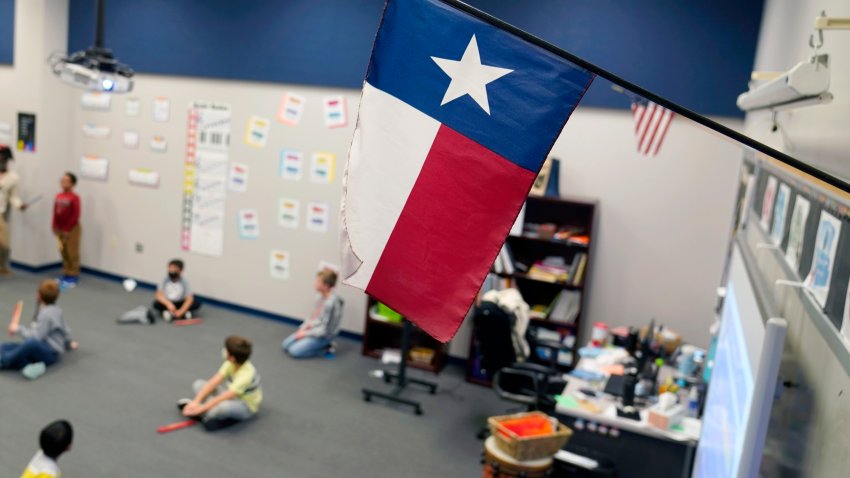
[94, 69]
[805, 84]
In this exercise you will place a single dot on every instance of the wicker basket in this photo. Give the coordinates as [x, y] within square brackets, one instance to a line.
[527, 448]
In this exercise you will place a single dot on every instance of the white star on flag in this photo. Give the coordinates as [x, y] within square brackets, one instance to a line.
[469, 76]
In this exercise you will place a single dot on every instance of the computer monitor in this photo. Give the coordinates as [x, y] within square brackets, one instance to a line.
[743, 382]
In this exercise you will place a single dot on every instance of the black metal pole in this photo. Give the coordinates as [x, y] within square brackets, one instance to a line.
[405, 351]
[98, 38]
[713, 125]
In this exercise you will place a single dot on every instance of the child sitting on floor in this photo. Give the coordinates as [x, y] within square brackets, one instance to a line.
[45, 339]
[230, 396]
[55, 439]
[174, 299]
[315, 335]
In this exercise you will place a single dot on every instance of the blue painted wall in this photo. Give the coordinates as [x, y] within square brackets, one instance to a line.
[7, 31]
[698, 53]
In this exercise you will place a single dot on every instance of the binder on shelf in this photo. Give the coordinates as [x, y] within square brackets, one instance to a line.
[565, 307]
[579, 275]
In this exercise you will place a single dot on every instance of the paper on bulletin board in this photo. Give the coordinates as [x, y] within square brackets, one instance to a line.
[238, 178]
[158, 144]
[96, 101]
[845, 319]
[336, 111]
[291, 109]
[249, 224]
[823, 259]
[797, 232]
[26, 132]
[161, 109]
[288, 213]
[322, 167]
[96, 131]
[291, 164]
[279, 264]
[318, 215]
[257, 131]
[144, 177]
[5, 133]
[780, 212]
[130, 139]
[767, 204]
[93, 167]
[132, 107]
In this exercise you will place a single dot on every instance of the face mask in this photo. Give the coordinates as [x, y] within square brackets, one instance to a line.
[174, 275]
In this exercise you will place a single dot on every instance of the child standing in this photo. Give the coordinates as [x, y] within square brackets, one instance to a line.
[174, 299]
[66, 226]
[45, 339]
[55, 439]
[8, 197]
[232, 395]
[315, 335]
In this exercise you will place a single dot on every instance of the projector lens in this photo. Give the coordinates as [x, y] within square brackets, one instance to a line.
[107, 85]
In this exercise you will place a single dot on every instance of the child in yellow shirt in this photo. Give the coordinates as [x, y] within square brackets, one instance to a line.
[55, 439]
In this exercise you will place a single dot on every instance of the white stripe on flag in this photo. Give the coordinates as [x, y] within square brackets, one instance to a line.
[662, 131]
[651, 130]
[643, 124]
[396, 139]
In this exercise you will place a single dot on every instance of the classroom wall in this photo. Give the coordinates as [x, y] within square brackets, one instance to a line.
[41, 28]
[663, 224]
[815, 134]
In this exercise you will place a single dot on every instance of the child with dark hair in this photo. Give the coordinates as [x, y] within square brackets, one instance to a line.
[55, 439]
[174, 299]
[45, 339]
[315, 335]
[66, 226]
[230, 396]
[8, 198]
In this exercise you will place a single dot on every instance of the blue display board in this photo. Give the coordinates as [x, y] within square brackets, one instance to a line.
[7, 31]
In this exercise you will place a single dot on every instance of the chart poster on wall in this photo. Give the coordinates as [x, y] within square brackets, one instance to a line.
[130, 139]
[797, 232]
[318, 215]
[336, 111]
[26, 132]
[133, 107]
[767, 204]
[5, 133]
[96, 131]
[96, 101]
[206, 169]
[780, 212]
[291, 164]
[288, 213]
[238, 180]
[279, 264]
[291, 109]
[845, 319]
[161, 109]
[826, 243]
[93, 167]
[322, 167]
[144, 177]
[248, 224]
[158, 144]
[257, 131]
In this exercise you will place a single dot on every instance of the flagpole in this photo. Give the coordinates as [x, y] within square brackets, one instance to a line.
[680, 110]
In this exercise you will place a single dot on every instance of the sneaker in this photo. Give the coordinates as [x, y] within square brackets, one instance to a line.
[166, 316]
[330, 350]
[34, 370]
[181, 404]
[187, 315]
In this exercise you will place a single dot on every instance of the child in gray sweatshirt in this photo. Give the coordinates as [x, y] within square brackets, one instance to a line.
[45, 339]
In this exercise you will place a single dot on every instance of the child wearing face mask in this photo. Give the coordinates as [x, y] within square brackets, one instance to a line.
[174, 299]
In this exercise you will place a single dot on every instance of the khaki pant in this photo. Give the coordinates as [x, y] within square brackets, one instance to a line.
[69, 246]
[4, 243]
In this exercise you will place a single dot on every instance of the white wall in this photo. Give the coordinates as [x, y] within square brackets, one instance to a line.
[815, 134]
[663, 223]
[41, 27]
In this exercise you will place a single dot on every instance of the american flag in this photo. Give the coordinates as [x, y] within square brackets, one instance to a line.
[651, 123]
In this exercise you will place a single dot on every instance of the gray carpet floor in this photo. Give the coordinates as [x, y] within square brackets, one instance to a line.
[123, 382]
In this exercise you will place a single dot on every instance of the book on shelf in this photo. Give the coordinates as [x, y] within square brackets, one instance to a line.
[565, 308]
[578, 278]
[494, 282]
[538, 311]
[550, 269]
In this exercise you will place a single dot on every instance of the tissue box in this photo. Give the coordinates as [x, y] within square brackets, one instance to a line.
[664, 419]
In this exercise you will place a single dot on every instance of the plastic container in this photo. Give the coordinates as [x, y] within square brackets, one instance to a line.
[534, 440]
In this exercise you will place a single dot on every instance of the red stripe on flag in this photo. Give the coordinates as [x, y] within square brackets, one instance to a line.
[650, 113]
[653, 128]
[452, 227]
[669, 119]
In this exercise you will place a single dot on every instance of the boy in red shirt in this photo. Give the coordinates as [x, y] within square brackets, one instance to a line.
[66, 226]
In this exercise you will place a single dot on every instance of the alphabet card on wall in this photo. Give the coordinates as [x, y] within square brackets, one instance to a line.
[96, 101]
[322, 167]
[132, 107]
[767, 203]
[780, 210]
[257, 132]
[291, 164]
[93, 167]
[144, 177]
[288, 213]
[291, 109]
[130, 139]
[238, 179]
[249, 224]
[161, 109]
[826, 244]
[158, 144]
[279, 264]
[96, 131]
[318, 214]
[797, 232]
[336, 111]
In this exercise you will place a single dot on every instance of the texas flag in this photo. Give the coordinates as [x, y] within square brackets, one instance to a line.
[456, 119]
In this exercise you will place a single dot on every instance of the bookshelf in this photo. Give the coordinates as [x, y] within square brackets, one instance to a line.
[545, 264]
[381, 334]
